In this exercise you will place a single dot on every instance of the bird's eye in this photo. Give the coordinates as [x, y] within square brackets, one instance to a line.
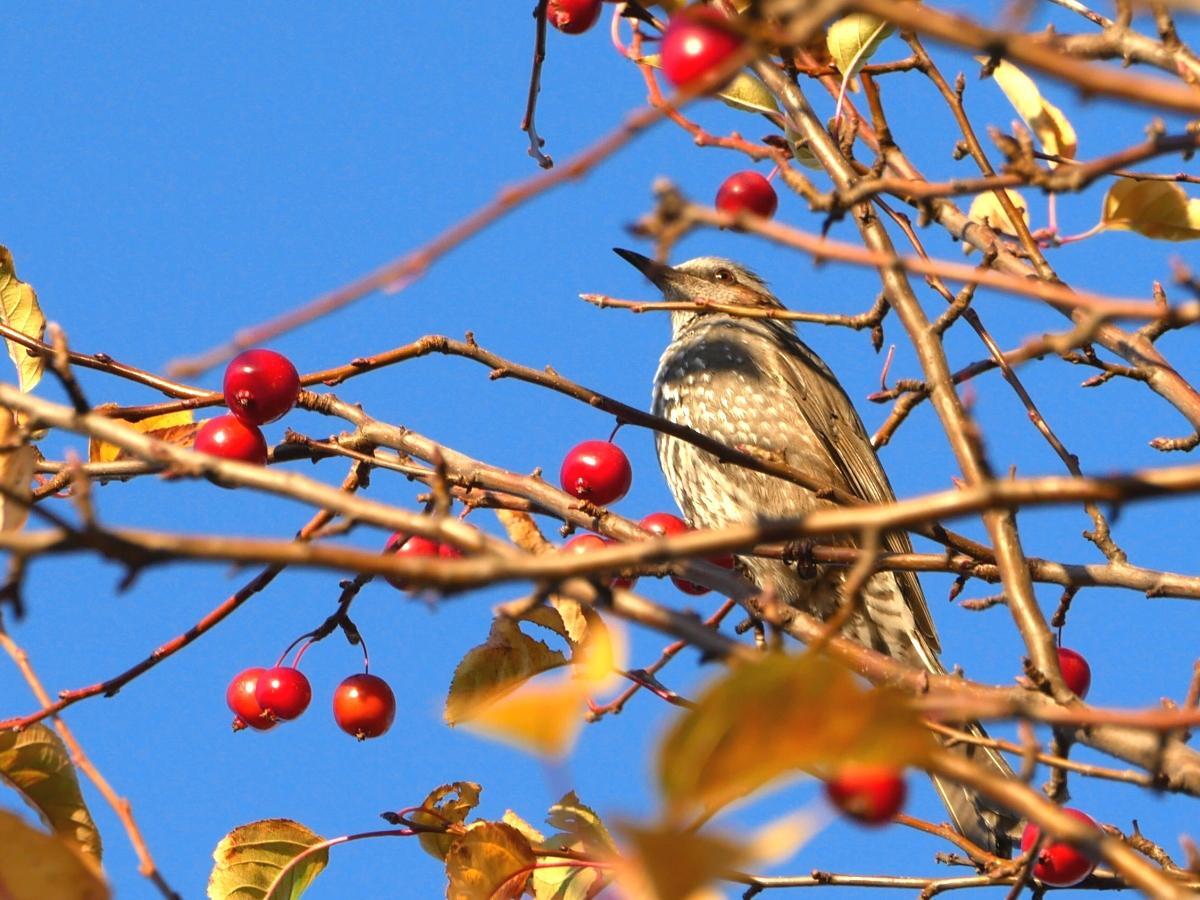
[723, 275]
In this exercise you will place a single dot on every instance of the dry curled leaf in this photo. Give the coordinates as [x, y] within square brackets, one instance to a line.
[448, 807]
[1157, 209]
[177, 428]
[20, 310]
[1043, 118]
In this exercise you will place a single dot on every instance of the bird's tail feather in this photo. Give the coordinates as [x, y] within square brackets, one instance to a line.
[993, 828]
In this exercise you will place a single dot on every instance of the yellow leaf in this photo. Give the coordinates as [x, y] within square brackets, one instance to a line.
[1157, 209]
[174, 428]
[986, 208]
[249, 859]
[667, 863]
[530, 833]
[38, 866]
[448, 807]
[853, 39]
[497, 667]
[599, 659]
[1042, 117]
[542, 718]
[780, 716]
[491, 861]
[20, 310]
[579, 823]
[745, 92]
[17, 462]
[36, 763]
[582, 833]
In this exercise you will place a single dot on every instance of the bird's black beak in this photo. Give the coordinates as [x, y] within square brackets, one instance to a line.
[657, 272]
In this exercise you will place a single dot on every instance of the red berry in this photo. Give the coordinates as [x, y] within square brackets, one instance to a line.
[747, 192]
[283, 692]
[240, 695]
[573, 16]
[1076, 671]
[870, 794]
[696, 41]
[1059, 864]
[597, 471]
[230, 438]
[415, 545]
[364, 706]
[260, 386]
[666, 525]
[585, 543]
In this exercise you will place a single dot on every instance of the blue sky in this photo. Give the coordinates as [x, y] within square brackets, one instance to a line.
[172, 175]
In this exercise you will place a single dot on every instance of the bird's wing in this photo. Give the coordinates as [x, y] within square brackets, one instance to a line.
[832, 417]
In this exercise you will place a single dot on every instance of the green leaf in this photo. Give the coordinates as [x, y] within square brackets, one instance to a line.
[495, 668]
[853, 39]
[36, 762]
[779, 716]
[491, 861]
[39, 866]
[250, 857]
[746, 92]
[19, 309]
[448, 806]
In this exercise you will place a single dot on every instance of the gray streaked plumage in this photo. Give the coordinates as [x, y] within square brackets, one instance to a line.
[753, 383]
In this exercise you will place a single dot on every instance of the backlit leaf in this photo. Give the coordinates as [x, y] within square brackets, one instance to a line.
[491, 861]
[16, 473]
[580, 831]
[542, 718]
[1157, 209]
[177, 428]
[497, 667]
[39, 866]
[249, 858]
[745, 92]
[580, 823]
[448, 806]
[986, 208]
[780, 716]
[19, 309]
[36, 762]
[674, 864]
[1043, 118]
[853, 39]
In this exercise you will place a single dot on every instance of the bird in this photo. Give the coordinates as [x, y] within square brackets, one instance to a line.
[751, 383]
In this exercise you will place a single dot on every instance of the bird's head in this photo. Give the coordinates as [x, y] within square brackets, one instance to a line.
[705, 279]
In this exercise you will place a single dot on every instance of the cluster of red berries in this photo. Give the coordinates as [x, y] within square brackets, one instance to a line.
[260, 387]
[697, 40]
[363, 705]
[599, 471]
